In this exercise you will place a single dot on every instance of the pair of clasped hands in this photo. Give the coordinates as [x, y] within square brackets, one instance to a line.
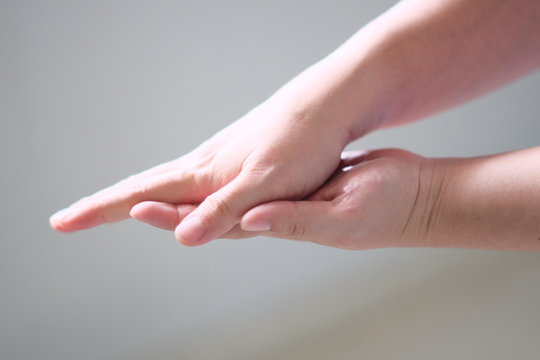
[275, 172]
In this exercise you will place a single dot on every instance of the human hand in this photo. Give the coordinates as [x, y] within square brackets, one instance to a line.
[375, 199]
[279, 150]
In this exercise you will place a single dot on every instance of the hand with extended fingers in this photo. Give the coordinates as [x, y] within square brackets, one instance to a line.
[274, 152]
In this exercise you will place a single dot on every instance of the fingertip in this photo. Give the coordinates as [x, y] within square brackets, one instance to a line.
[255, 225]
[259, 218]
[191, 232]
[57, 220]
[162, 215]
[136, 210]
[56, 225]
[75, 219]
[189, 244]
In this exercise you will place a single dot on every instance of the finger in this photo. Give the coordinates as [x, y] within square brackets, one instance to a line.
[167, 216]
[115, 206]
[237, 233]
[133, 179]
[159, 214]
[153, 171]
[219, 212]
[298, 220]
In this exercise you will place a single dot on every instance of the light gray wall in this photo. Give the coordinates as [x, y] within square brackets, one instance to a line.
[92, 91]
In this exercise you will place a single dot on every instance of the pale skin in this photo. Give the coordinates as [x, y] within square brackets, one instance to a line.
[394, 198]
[273, 171]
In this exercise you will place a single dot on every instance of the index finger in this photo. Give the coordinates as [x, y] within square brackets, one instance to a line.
[115, 203]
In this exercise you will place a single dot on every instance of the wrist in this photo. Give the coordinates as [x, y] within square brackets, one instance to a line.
[427, 221]
[487, 202]
[358, 88]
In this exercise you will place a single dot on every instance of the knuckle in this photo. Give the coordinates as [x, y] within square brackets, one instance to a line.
[268, 178]
[296, 229]
[218, 205]
[259, 172]
[261, 167]
[295, 226]
[139, 191]
[207, 175]
[200, 177]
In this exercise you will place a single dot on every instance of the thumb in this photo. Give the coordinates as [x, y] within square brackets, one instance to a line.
[298, 220]
[219, 212]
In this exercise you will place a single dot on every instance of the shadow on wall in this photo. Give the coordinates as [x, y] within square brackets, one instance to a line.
[471, 308]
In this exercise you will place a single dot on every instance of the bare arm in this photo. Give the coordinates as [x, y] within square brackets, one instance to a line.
[421, 57]
[490, 202]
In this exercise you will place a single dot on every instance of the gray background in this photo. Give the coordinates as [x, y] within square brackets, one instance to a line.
[92, 91]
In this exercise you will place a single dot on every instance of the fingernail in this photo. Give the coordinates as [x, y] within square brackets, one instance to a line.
[59, 215]
[258, 226]
[191, 230]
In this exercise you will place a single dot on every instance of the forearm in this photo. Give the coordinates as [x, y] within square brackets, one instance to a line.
[418, 58]
[490, 202]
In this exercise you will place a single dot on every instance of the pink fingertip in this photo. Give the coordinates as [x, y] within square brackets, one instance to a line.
[190, 231]
[256, 226]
